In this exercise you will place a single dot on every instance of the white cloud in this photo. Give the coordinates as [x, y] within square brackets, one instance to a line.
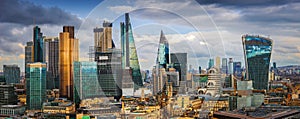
[121, 9]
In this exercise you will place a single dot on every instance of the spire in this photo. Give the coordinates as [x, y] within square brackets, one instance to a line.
[163, 51]
[163, 38]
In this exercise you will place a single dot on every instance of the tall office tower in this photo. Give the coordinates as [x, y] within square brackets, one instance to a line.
[8, 95]
[257, 52]
[68, 53]
[159, 80]
[218, 62]
[163, 54]
[51, 57]
[38, 44]
[179, 61]
[162, 62]
[86, 83]
[70, 30]
[199, 70]
[103, 37]
[29, 53]
[237, 69]
[109, 62]
[11, 73]
[211, 63]
[230, 66]
[110, 72]
[224, 66]
[129, 53]
[35, 85]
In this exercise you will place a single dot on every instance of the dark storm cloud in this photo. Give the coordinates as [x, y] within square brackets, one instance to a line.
[26, 13]
[246, 3]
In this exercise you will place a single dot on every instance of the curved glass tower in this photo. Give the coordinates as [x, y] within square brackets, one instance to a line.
[257, 52]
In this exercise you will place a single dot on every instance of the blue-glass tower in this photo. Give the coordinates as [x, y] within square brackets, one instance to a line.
[38, 44]
[35, 85]
[163, 54]
[129, 53]
[257, 52]
[86, 83]
[211, 63]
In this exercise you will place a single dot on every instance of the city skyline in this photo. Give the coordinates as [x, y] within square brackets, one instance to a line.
[278, 20]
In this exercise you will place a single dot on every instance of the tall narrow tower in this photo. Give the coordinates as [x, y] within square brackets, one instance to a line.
[129, 54]
[68, 53]
[163, 54]
[38, 44]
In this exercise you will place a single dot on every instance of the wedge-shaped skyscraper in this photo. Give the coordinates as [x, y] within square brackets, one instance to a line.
[129, 53]
[257, 51]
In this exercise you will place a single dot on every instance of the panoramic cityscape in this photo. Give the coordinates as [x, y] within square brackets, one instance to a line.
[135, 59]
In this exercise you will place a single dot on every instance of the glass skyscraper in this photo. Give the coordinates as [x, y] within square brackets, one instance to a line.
[11, 73]
[257, 52]
[86, 83]
[29, 52]
[38, 44]
[163, 54]
[68, 53]
[230, 66]
[179, 61]
[129, 53]
[108, 60]
[224, 66]
[35, 85]
[51, 57]
[211, 63]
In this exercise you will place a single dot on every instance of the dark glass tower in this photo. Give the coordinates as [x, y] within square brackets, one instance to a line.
[257, 51]
[179, 61]
[11, 73]
[52, 59]
[129, 54]
[38, 44]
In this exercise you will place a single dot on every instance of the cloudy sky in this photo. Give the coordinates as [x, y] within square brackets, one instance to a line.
[204, 28]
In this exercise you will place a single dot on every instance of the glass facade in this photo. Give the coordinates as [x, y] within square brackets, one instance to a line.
[38, 44]
[68, 53]
[224, 66]
[211, 63]
[163, 53]
[179, 61]
[237, 69]
[110, 72]
[257, 52]
[53, 58]
[35, 85]
[129, 53]
[86, 83]
[29, 51]
[11, 73]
